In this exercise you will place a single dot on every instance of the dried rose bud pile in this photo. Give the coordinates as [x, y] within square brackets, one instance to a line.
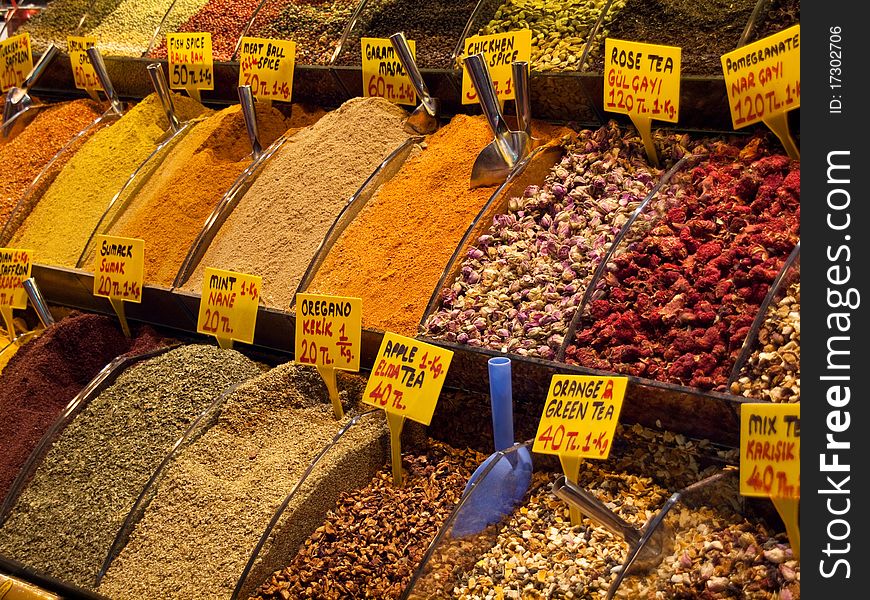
[679, 302]
[521, 283]
[773, 370]
[373, 540]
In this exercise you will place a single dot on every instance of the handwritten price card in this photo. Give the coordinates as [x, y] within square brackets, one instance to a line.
[16, 61]
[580, 416]
[383, 74]
[83, 72]
[228, 306]
[267, 66]
[407, 377]
[770, 450]
[328, 331]
[120, 268]
[500, 50]
[15, 265]
[764, 78]
[191, 66]
[642, 80]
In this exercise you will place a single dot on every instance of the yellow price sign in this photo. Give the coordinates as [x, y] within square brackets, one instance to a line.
[120, 268]
[770, 450]
[407, 377]
[580, 416]
[642, 80]
[500, 50]
[228, 306]
[267, 66]
[83, 71]
[328, 331]
[191, 65]
[16, 61]
[383, 74]
[12, 588]
[15, 266]
[764, 78]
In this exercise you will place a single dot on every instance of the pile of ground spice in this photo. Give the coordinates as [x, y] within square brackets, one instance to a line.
[171, 208]
[374, 538]
[217, 496]
[434, 31]
[776, 16]
[130, 27]
[67, 517]
[64, 218]
[393, 253]
[29, 152]
[61, 18]
[704, 30]
[281, 220]
[677, 305]
[315, 25]
[47, 372]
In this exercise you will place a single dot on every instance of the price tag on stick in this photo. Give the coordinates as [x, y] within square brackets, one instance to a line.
[328, 336]
[84, 75]
[15, 266]
[406, 382]
[770, 460]
[16, 61]
[228, 306]
[383, 74]
[763, 80]
[579, 421]
[119, 272]
[191, 66]
[500, 50]
[267, 66]
[643, 82]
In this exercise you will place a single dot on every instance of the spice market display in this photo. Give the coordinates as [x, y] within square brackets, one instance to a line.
[141, 458]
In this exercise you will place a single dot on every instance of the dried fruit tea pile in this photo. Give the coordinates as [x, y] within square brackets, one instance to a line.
[373, 538]
[678, 304]
[217, 495]
[67, 517]
[521, 283]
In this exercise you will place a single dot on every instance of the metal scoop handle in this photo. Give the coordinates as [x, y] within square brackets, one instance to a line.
[38, 301]
[246, 100]
[103, 75]
[520, 72]
[17, 98]
[593, 508]
[158, 80]
[40, 67]
[403, 51]
[482, 80]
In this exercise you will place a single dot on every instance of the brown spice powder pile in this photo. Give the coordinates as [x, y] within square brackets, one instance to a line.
[373, 540]
[281, 220]
[393, 253]
[171, 209]
[25, 156]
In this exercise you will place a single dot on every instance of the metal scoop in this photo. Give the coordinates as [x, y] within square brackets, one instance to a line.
[249, 113]
[495, 161]
[649, 550]
[100, 68]
[424, 119]
[18, 98]
[522, 100]
[158, 80]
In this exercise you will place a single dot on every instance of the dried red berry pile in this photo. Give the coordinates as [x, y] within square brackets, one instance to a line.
[679, 302]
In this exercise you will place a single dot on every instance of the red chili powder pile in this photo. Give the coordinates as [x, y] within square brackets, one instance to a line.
[47, 372]
[679, 303]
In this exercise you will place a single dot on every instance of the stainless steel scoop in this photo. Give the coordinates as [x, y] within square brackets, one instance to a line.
[18, 98]
[424, 119]
[495, 161]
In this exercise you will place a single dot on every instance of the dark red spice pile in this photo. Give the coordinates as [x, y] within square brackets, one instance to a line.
[47, 372]
[679, 303]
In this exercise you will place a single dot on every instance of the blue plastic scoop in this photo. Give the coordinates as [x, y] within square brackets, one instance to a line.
[502, 480]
